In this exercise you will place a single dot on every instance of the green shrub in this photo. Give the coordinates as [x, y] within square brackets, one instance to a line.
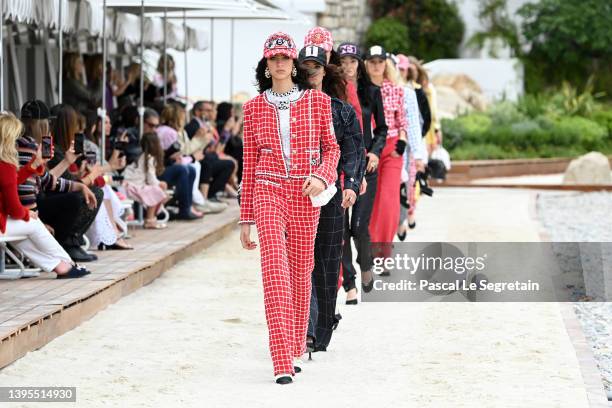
[474, 126]
[453, 133]
[532, 105]
[465, 129]
[485, 151]
[434, 27]
[604, 118]
[529, 133]
[507, 131]
[580, 132]
[505, 113]
[389, 32]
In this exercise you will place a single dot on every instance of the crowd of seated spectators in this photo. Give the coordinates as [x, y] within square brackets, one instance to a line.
[61, 188]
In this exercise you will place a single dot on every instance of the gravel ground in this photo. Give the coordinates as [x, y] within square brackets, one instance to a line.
[584, 217]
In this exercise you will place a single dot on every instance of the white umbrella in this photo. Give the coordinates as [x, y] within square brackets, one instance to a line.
[255, 11]
[138, 6]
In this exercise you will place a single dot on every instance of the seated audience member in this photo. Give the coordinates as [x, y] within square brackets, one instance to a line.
[16, 220]
[159, 81]
[229, 127]
[108, 229]
[141, 183]
[75, 91]
[131, 93]
[193, 152]
[65, 205]
[216, 171]
[177, 170]
[126, 129]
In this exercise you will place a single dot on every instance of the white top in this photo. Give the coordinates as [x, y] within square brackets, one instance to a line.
[135, 173]
[283, 109]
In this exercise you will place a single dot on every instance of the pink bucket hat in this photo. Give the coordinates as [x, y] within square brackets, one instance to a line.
[280, 43]
[320, 37]
[403, 63]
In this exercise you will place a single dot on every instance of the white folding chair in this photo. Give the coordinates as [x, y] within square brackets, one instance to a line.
[20, 271]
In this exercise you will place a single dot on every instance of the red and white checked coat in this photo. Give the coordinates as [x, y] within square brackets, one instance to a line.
[263, 156]
[393, 102]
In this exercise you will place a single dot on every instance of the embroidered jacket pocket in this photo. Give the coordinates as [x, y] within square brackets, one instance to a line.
[268, 182]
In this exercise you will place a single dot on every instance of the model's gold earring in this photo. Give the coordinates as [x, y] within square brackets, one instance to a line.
[267, 73]
[294, 72]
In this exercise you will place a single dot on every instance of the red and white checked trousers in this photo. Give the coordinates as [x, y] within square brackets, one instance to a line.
[385, 213]
[286, 226]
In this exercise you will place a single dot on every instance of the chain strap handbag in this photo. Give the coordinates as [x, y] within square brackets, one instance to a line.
[326, 195]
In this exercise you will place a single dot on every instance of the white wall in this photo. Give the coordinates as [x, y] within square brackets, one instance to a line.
[498, 78]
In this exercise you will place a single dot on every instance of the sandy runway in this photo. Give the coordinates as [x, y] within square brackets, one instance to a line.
[196, 337]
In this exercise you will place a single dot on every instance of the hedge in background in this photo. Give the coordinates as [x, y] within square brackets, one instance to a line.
[509, 130]
[434, 27]
[389, 32]
[567, 40]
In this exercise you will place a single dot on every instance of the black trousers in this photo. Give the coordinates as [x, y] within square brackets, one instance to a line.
[234, 148]
[358, 228]
[327, 255]
[216, 172]
[68, 215]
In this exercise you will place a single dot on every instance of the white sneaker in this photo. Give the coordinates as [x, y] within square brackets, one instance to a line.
[210, 208]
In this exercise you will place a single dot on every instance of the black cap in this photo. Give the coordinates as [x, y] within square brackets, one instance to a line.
[376, 51]
[348, 49]
[313, 53]
[35, 109]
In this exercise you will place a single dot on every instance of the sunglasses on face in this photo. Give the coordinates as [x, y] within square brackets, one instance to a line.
[153, 125]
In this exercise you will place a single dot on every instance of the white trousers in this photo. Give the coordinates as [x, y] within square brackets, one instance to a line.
[198, 198]
[40, 247]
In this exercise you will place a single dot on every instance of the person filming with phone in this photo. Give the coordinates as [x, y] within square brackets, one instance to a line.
[57, 200]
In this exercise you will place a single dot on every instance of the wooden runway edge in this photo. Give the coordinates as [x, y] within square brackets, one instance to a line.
[53, 325]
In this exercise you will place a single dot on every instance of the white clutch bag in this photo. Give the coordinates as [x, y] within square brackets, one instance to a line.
[326, 195]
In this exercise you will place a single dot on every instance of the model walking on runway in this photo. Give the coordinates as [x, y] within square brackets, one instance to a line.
[386, 211]
[290, 156]
[328, 244]
[374, 136]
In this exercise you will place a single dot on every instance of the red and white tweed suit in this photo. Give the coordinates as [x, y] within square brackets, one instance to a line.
[271, 198]
[386, 210]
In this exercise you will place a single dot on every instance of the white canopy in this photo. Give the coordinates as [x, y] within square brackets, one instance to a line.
[85, 16]
[40, 12]
[133, 6]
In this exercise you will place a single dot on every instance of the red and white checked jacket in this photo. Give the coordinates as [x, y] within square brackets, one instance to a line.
[263, 156]
[393, 103]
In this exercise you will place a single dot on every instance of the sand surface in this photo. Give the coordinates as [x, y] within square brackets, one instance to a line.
[196, 337]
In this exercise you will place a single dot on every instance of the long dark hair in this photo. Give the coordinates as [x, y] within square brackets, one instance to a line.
[263, 83]
[363, 84]
[151, 147]
[333, 82]
[64, 126]
[224, 112]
